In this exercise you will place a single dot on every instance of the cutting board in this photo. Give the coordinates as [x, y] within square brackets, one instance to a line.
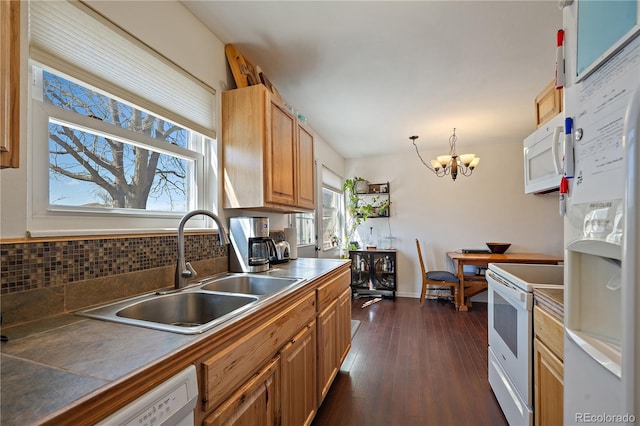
[245, 73]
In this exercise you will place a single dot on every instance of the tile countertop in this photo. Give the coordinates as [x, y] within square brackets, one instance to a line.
[48, 365]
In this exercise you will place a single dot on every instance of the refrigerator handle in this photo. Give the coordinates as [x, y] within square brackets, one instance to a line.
[554, 149]
[630, 269]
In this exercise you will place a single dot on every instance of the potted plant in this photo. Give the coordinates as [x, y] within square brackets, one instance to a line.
[361, 185]
[357, 210]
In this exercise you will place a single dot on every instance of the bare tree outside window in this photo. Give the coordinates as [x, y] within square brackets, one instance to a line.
[91, 169]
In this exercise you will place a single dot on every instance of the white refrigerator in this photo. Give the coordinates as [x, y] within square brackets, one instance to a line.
[601, 55]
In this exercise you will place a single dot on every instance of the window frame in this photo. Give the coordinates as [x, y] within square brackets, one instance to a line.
[339, 212]
[310, 219]
[46, 220]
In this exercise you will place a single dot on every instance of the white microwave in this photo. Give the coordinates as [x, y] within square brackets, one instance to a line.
[543, 157]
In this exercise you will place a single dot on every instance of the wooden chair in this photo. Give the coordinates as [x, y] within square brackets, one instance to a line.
[436, 278]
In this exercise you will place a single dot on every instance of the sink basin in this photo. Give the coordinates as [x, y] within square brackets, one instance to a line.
[250, 284]
[188, 312]
[198, 309]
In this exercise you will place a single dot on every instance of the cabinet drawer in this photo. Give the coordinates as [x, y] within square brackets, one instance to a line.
[330, 291]
[224, 371]
[256, 402]
[549, 330]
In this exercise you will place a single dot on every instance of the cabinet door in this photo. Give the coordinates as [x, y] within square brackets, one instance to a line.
[548, 386]
[10, 84]
[384, 273]
[327, 349]
[360, 273]
[254, 404]
[344, 325]
[298, 369]
[306, 188]
[280, 157]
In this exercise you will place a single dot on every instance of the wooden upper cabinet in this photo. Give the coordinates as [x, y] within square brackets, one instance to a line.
[268, 156]
[281, 157]
[10, 83]
[549, 103]
[306, 170]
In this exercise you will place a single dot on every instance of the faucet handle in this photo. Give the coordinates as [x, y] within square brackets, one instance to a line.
[189, 272]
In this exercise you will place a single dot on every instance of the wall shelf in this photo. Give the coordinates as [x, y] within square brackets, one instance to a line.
[379, 197]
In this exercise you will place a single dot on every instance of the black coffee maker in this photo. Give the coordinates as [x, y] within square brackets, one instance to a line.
[252, 247]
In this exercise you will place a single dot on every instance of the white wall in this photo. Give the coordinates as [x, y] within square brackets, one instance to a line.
[445, 215]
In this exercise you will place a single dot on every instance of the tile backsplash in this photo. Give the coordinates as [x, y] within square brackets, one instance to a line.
[44, 278]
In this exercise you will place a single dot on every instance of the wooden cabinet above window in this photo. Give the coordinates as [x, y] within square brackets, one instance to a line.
[268, 155]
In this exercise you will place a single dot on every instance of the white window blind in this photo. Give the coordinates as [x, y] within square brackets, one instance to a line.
[79, 42]
[331, 180]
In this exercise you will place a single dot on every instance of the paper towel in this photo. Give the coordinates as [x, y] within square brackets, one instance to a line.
[291, 237]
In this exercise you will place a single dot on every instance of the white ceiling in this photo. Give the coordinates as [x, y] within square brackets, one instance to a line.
[369, 74]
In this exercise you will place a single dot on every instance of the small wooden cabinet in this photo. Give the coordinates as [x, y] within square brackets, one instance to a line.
[268, 155]
[548, 368]
[549, 103]
[298, 393]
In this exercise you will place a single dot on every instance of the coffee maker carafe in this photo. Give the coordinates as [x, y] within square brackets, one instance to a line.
[251, 245]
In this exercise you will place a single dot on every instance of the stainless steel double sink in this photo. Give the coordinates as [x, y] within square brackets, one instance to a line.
[196, 308]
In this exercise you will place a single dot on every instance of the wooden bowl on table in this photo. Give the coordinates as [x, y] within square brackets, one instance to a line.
[498, 248]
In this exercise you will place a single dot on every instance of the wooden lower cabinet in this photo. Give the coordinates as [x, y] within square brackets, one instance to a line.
[344, 325]
[227, 368]
[327, 349]
[548, 369]
[334, 341]
[256, 403]
[549, 386]
[298, 391]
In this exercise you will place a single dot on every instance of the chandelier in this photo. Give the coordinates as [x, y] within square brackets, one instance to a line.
[450, 164]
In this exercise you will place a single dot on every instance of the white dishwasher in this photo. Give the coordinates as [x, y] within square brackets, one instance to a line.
[171, 403]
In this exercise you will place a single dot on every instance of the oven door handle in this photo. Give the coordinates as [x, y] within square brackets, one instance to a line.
[508, 289]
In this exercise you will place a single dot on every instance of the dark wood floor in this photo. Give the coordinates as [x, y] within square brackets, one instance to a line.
[414, 366]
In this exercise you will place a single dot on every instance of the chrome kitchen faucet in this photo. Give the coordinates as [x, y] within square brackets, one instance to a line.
[184, 270]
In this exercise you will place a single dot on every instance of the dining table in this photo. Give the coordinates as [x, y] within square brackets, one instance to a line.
[472, 284]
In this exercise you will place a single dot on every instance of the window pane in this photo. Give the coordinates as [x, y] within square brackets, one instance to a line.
[74, 97]
[305, 228]
[90, 170]
[331, 218]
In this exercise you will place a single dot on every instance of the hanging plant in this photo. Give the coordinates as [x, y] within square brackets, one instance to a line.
[358, 210]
